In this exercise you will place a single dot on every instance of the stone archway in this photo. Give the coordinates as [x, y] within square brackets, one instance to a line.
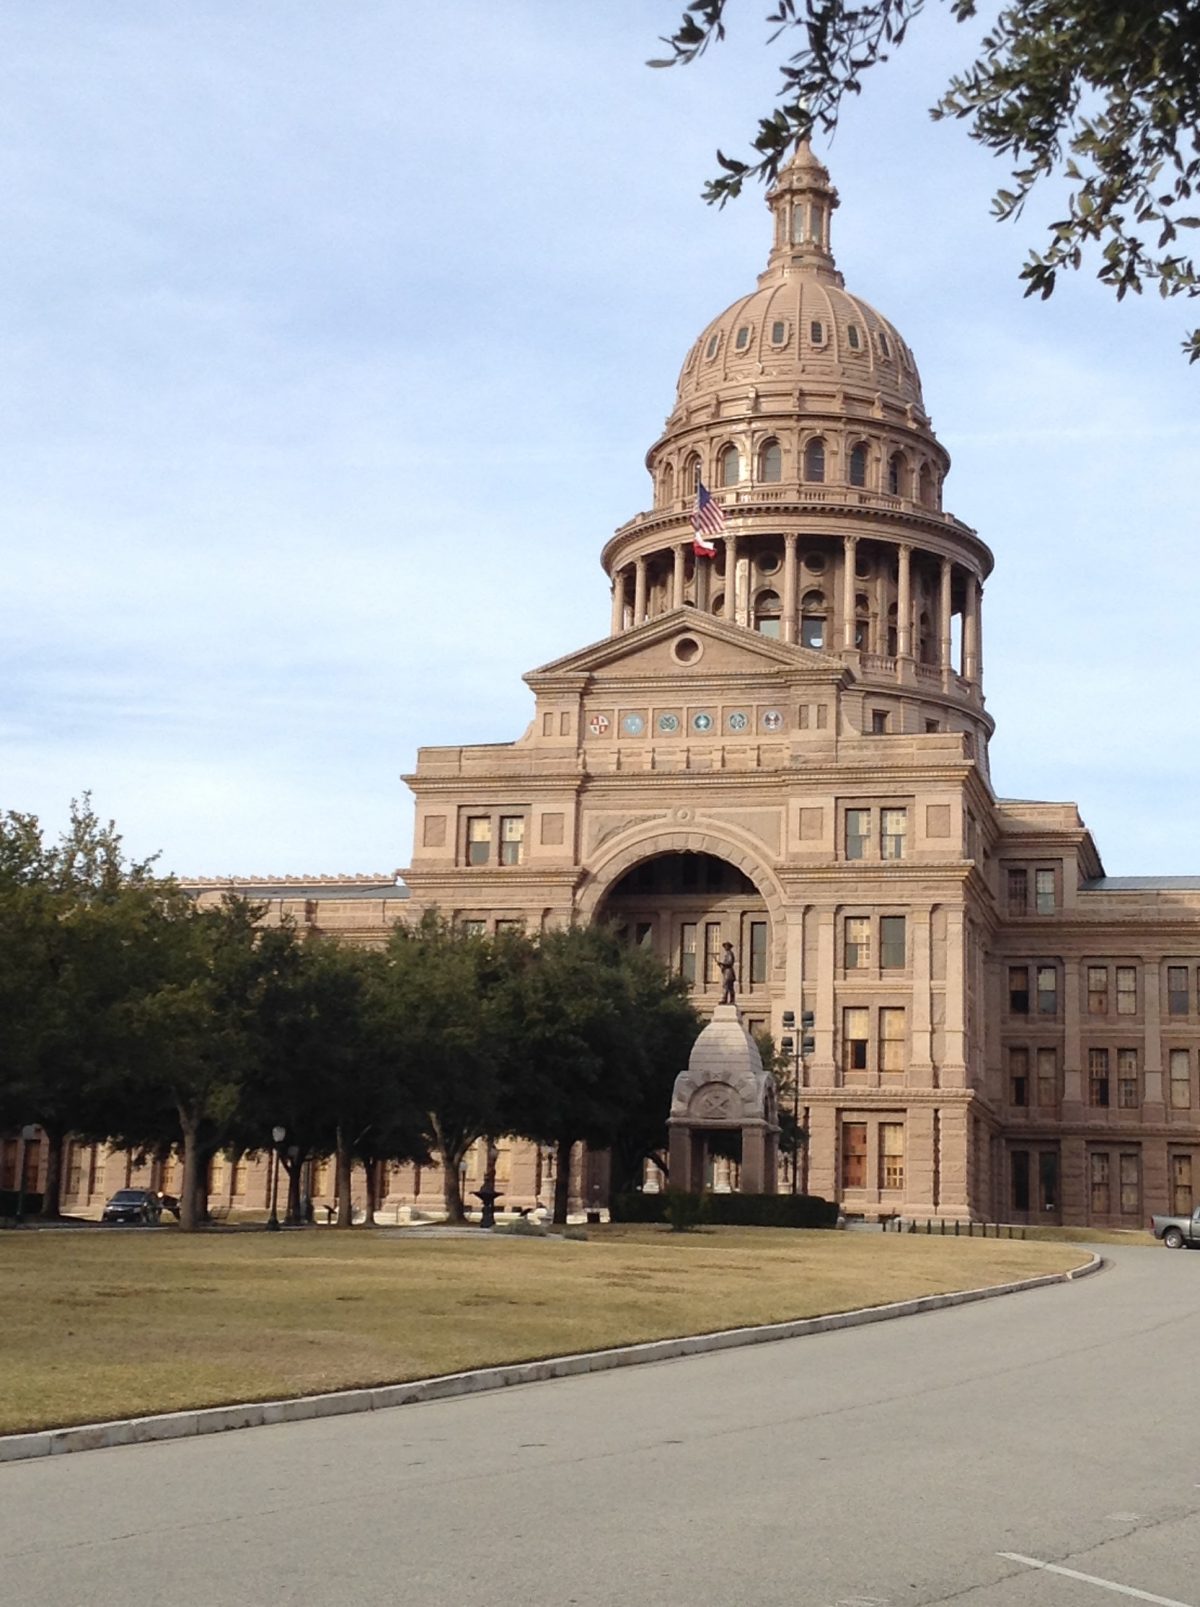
[731, 846]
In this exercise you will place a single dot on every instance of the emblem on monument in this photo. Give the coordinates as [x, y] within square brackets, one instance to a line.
[598, 724]
[772, 720]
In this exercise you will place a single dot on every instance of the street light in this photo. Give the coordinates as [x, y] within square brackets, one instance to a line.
[799, 1046]
[278, 1134]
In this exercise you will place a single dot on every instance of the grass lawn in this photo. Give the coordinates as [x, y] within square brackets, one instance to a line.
[99, 1325]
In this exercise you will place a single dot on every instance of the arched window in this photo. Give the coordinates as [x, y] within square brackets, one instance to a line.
[691, 476]
[814, 460]
[667, 483]
[768, 610]
[925, 643]
[858, 464]
[897, 475]
[770, 462]
[891, 631]
[925, 482]
[731, 465]
[812, 619]
[862, 622]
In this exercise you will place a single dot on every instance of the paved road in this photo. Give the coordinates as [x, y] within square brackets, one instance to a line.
[895, 1464]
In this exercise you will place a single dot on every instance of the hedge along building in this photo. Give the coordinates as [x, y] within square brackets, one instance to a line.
[785, 746]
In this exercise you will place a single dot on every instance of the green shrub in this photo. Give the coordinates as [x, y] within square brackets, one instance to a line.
[733, 1210]
[685, 1211]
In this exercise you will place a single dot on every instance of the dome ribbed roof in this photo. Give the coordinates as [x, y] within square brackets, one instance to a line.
[801, 326]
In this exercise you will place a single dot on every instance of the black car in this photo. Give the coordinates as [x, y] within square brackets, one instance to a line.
[133, 1205]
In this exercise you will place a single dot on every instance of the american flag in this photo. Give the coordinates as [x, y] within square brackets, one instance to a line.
[708, 520]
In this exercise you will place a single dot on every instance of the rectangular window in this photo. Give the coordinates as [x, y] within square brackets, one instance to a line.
[1131, 1186]
[1018, 892]
[893, 829]
[892, 942]
[892, 1039]
[687, 951]
[1127, 990]
[512, 839]
[858, 831]
[473, 928]
[1181, 1185]
[1018, 990]
[512, 927]
[1020, 1180]
[1097, 984]
[1018, 1076]
[712, 953]
[1047, 1078]
[879, 723]
[1181, 1079]
[74, 1166]
[1044, 891]
[479, 839]
[1127, 1079]
[1177, 990]
[854, 1155]
[758, 951]
[1098, 1078]
[891, 1155]
[1048, 1178]
[1047, 990]
[857, 942]
[855, 1027]
[1101, 1201]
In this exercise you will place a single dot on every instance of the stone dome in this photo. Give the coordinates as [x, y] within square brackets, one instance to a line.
[801, 327]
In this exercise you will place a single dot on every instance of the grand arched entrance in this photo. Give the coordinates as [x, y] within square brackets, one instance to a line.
[684, 906]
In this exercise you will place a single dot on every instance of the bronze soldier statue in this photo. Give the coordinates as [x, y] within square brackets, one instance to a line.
[727, 966]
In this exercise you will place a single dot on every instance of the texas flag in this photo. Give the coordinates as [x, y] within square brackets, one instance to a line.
[708, 521]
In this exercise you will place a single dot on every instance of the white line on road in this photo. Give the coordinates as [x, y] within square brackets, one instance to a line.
[1091, 1579]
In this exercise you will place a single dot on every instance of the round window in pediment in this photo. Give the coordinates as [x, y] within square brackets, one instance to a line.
[686, 649]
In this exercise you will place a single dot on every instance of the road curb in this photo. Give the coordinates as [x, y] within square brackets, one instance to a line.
[257, 1414]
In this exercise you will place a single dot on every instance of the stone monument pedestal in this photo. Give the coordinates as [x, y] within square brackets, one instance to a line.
[725, 1097]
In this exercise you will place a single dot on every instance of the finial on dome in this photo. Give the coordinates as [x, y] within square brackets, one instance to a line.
[803, 199]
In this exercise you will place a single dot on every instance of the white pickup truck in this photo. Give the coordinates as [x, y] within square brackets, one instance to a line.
[1176, 1232]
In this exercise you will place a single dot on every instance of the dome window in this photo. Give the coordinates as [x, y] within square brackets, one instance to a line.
[862, 622]
[814, 562]
[814, 460]
[710, 351]
[853, 339]
[731, 466]
[768, 609]
[768, 563]
[770, 463]
[817, 332]
[742, 338]
[925, 482]
[668, 485]
[897, 475]
[812, 620]
[862, 567]
[884, 349]
[691, 476]
[858, 464]
[778, 333]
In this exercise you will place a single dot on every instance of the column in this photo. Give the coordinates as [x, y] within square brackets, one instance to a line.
[789, 588]
[945, 615]
[904, 603]
[849, 550]
[920, 1064]
[618, 602]
[979, 631]
[970, 667]
[677, 599]
[731, 577]
[639, 592]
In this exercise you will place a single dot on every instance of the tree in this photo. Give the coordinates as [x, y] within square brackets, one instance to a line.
[73, 917]
[602, 1032]
[1104, 97]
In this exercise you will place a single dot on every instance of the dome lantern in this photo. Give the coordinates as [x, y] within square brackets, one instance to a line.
[802, 200]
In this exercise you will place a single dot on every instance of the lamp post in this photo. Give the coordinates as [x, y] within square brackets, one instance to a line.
[798, 1045]
[278, 1134]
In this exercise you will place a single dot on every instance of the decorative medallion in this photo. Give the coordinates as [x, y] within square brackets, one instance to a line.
[668, 723]
[598, 724]
[738, 721]
[702, 722]
[633, 724]
[772, 720]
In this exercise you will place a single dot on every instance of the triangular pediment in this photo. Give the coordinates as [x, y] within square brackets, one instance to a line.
[683, 644]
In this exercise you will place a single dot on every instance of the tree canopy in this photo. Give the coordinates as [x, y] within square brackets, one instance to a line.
[1103, 97]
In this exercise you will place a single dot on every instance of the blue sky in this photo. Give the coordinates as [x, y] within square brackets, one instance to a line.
[335, 336]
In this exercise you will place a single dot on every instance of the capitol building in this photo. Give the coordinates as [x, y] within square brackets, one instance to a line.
[784, 746]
